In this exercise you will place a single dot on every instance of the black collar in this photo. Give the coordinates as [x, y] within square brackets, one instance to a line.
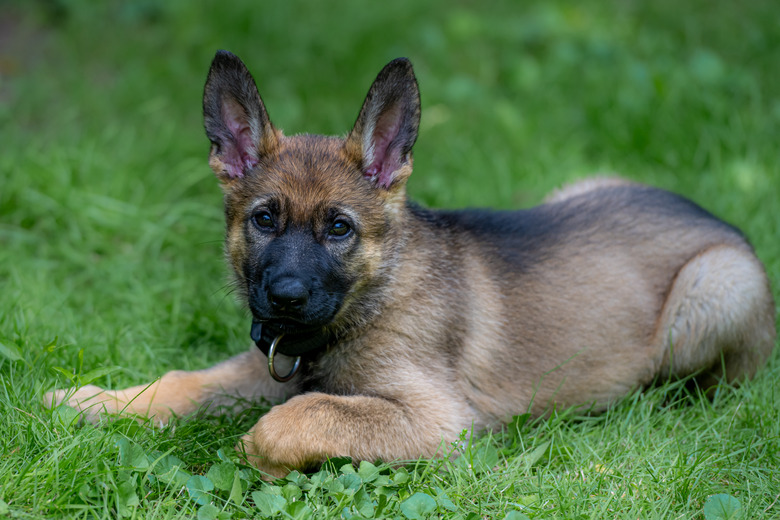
[294, 343]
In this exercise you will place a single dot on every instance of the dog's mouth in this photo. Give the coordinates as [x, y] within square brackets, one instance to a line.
[287, 327]
[294, 338]
[288, 324]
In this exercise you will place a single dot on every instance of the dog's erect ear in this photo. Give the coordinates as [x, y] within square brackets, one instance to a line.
[386, 128]
[235, 118]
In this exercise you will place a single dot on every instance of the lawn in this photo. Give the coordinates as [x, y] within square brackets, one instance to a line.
[112, 271]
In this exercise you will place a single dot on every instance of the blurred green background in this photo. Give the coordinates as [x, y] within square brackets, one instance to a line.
[111, 263]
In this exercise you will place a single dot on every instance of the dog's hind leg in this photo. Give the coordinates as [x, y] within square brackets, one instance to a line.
[718, 320]
[234, 381]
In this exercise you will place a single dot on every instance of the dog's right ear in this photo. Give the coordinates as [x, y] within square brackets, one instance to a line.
[235, 118]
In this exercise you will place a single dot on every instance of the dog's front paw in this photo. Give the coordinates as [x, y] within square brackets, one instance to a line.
[279, 443]
[256, 454]
[92, 401]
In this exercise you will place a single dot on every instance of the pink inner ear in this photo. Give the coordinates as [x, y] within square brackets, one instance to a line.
[240, 153]
[385, 160]
[238, 156]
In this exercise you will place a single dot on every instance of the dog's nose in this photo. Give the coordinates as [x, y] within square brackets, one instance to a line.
[288, 294]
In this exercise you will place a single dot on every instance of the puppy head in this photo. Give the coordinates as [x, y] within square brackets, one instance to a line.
[312, 221]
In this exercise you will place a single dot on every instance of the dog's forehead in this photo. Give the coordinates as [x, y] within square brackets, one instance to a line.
[311, 172]
[309, 158]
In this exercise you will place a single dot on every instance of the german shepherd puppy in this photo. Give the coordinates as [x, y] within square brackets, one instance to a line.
[390, 328]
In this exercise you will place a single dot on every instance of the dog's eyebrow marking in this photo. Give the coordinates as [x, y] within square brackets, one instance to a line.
[336, 210]
[267, 199]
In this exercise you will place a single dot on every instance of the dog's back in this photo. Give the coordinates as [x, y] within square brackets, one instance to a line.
[602, 220]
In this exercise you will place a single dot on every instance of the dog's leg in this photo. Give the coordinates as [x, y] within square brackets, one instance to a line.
[242, 377]
[719, 316]
[307, 429]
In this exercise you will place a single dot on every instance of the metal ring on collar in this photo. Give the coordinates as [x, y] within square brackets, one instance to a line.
[271, 352]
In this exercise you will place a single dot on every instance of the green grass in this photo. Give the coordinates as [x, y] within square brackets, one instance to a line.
[111, 225]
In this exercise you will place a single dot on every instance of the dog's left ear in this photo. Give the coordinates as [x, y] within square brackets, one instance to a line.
[386, 127]
[235, 118]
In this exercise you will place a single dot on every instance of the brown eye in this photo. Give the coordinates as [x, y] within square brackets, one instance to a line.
[339, 229]
[263, 220]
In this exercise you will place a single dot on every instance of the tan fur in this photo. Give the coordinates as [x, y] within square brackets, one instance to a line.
[439, 337]
[717, 309]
